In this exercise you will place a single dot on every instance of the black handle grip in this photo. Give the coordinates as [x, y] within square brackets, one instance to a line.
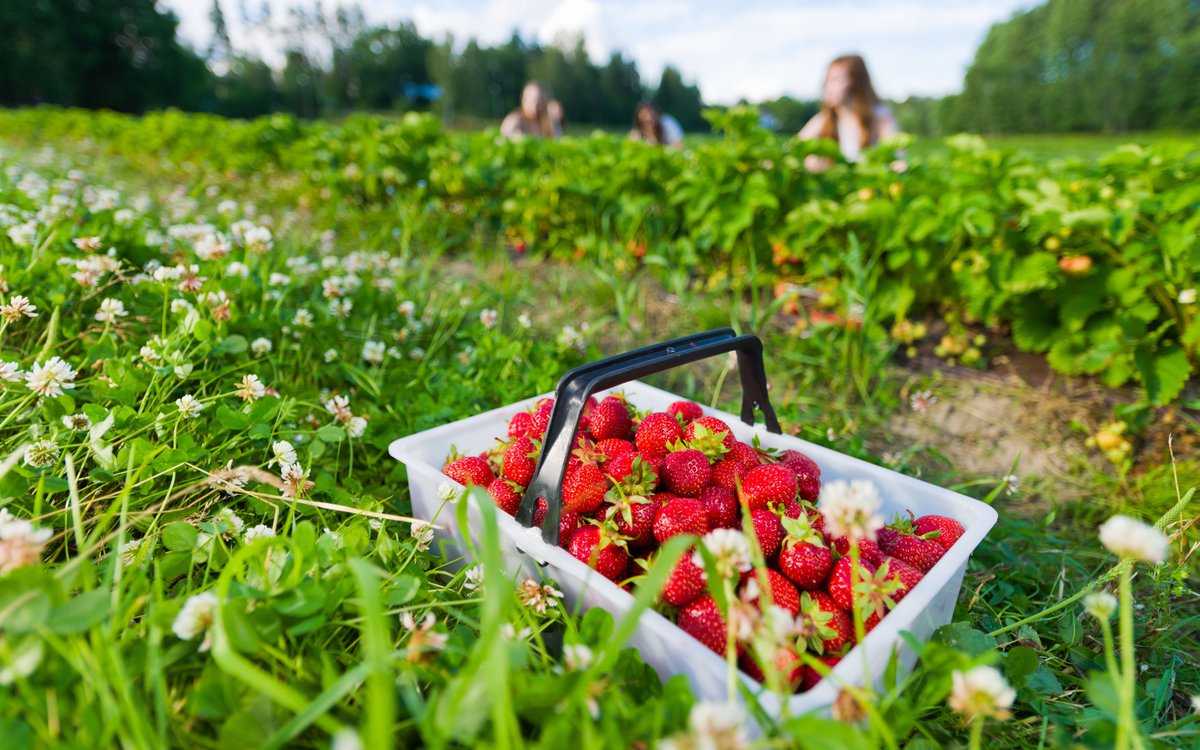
[579, 384]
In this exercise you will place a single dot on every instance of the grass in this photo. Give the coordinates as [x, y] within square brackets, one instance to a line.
[307, 643]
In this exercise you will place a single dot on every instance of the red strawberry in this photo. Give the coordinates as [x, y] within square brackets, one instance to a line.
[583, 489]
[839, 586]
[470, 470]
[903, 572]
[867, 549]
[506, 495]
[619, 467]
[701, 619]
[568, 521]
[768, 485]
[783, 593]
[805, 558]
[685, 472]
[811, 677]
[842, 625]
[743, 453]
[657, 432]
[520, 461]
[683, 515]
[634, 517]
[685, 411]
[710, 436]
[920, 553]
[520, 425]
[768, 531]
[885, 536]
[614, 447]
[948, 530]
[601, 550]
[808, 474]
[722, 507]
[610, 419]
[538, 423]
[728, 473]
[686, 582]
[632, 474]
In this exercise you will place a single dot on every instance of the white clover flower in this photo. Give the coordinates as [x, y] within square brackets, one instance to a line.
[538, 597]
[10, 372]
[212, 247]
[416, 353]
[87, 244]
[111, 310]
[41, 454]
[448, 492]
[23, 235]
[524, 320]
[339, 407]
[488, 318]
[330, 355]
[511, 633]
[571, 338]
[1187, 297]
[188, 406]
[166, 275]
[981, 691]
[851, 509]
[730, 550]
[279, 279]
[577, 657]
[237, 269]
[1128, 537]
[51, 378]
[17, 307]
[1100, 605]
[233, 519]
[422, 532]
[356, 427]
[21, 542]
[1196, 704]
[406, 308]
[303, 318]
[196, 618]
[131, 550]
[424, 638]
[258, 239]
[250, 389]
[711, 726]
[346, 739]
[473, 578]
[261, 346]
[283, 453]
[77, 422]
[922, 400]
[340, 308]
[1012, 484]
[295, 480]
[373, 352]
[254, 533]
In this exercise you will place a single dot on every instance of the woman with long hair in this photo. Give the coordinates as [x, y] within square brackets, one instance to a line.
[650, 125]
[535, 118]
[851, 113]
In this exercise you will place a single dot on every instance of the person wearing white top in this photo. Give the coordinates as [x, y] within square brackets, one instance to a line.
[652, 126]
[851, 113]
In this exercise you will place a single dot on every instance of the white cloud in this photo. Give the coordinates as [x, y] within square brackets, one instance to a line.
[753, 49]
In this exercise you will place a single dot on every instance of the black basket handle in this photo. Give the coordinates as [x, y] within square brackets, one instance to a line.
[577, 385]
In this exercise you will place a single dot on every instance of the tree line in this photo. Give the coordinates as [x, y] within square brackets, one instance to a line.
[126, 55]
[1067, 65]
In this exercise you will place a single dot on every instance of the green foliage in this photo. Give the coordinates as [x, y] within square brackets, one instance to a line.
[1084, 65]
[369, 288]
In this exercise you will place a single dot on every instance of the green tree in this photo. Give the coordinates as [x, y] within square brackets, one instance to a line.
[676, 98]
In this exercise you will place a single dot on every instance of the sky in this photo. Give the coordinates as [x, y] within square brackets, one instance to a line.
[751, 49]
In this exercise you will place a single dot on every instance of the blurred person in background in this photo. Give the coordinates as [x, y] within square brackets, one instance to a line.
[536, 117]
[851, 113]
[652, 126]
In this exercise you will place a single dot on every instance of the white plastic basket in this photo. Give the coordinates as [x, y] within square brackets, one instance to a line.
[662, 645]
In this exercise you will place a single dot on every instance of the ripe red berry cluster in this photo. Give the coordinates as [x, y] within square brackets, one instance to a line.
[637, 479]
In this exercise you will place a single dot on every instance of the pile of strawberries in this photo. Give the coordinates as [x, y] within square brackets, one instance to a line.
[637, 479]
